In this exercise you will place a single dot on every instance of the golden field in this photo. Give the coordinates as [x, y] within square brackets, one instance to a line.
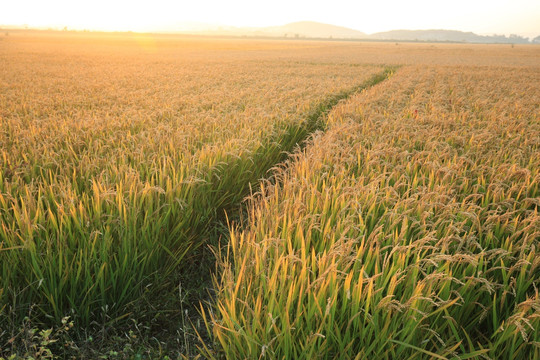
[407, 228]
[410, 229]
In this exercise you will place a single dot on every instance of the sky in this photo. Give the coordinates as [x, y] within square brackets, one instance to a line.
[481, 16]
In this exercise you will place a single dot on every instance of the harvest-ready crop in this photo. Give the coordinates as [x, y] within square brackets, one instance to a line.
[115, 162]
[410, 229]
[407, 228]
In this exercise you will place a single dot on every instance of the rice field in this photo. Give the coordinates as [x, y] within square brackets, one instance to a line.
[408, 226]
[112, 172]
[410, 229]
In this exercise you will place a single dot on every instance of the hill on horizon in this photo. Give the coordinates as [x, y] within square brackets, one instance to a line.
[313, 29]
[317, 30]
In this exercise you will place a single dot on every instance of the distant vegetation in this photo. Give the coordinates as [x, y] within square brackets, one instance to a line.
[315, 30]
[448, 35]
[311, 29]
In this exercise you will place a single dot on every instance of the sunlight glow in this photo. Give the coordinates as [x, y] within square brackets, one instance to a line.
[497, 16]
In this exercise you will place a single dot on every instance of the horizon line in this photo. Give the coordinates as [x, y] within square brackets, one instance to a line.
[216, 27]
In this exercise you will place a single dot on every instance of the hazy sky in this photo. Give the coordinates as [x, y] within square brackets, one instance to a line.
[481, 16]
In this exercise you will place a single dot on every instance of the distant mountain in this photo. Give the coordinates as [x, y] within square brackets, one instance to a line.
[316, 30]
[311, 29]
[445, 35]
